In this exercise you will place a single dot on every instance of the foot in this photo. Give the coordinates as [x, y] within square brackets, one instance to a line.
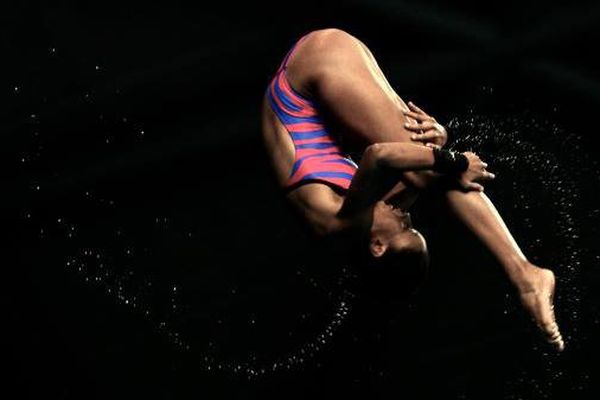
[537, 298]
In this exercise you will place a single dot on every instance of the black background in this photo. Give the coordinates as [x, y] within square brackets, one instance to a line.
[193, 199]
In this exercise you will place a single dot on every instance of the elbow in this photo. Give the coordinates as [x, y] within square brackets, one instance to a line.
[393, 155]
[377, 154]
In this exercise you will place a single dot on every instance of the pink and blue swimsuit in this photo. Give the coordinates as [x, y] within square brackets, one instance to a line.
[318, 158]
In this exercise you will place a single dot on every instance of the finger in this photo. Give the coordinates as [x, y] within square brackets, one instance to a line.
[414, 107]
[485, 176]
[484, 164]
[418, 117]
[417, 127]
[433, 145]
[426, 136]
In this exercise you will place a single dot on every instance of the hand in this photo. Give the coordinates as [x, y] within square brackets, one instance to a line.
[427, 130]
[475, 173]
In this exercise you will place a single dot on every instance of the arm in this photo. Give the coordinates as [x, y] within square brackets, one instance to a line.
[383, 164]
[381, 167]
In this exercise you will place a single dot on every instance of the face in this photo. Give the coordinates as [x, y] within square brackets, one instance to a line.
[393, 233]
[400, 261]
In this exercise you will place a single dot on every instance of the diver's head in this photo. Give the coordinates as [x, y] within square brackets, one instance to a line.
[397, 260]
[392, 236]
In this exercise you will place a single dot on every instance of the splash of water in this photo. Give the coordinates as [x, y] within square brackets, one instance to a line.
[539, 167]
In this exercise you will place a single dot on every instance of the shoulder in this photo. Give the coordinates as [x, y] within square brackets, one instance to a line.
[319, 205]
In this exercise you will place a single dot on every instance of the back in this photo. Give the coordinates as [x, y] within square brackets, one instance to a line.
[303, 149]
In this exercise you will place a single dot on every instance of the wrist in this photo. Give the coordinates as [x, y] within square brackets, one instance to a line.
[449, 162]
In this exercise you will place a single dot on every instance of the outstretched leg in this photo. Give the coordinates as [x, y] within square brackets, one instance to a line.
[351, 88]
[535, 285]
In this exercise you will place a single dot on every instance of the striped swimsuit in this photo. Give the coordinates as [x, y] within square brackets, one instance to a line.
[317, 156]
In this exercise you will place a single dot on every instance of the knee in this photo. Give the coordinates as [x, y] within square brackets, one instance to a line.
[332, 36]
[332, 47]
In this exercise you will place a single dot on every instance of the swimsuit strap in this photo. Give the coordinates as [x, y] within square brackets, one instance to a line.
[291, 52]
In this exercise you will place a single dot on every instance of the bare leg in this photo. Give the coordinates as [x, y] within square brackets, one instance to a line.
[535, 285]
[350, 87]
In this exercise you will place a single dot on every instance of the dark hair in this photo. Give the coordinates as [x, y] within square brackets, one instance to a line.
[397, 276]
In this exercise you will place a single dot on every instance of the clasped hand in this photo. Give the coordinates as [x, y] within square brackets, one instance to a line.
[428, 131]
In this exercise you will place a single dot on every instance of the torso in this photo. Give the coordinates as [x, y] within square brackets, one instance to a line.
[278, 143]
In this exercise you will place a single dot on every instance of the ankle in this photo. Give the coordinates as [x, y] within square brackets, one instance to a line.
[525, 276]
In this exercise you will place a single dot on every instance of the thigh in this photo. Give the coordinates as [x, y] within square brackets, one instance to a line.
[353, 92]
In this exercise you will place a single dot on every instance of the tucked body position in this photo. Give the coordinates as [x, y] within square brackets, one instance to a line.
[329, 99]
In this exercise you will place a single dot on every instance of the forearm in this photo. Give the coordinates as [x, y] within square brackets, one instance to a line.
[383, 165]
[402, 157]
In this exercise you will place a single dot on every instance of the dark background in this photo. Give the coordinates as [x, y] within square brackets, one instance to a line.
[151, 243]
